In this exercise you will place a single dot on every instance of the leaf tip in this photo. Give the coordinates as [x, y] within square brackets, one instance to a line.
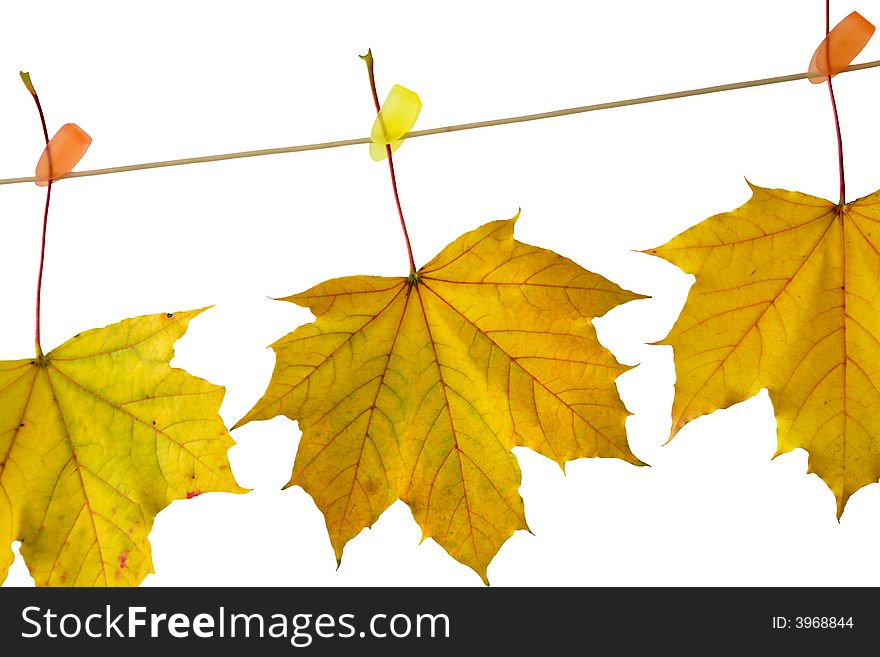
[779, 452]
[193, 313]
[677, 425]
[752, 186]
[635, 296]
[841, 498]
[183, 317]
[337, 552]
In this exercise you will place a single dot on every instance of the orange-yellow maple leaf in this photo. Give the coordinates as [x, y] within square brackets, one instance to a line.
[417, 388]
[96, 438]
[787, 298]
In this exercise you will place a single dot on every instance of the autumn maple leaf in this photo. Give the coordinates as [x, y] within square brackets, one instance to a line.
[787, 298]
[100, 434]
[418, 388]
[96, 438]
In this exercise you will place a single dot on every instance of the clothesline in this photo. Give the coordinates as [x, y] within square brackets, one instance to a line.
[643, 100]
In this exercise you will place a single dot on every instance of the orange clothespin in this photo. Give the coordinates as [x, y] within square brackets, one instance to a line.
[63, 151]
[840, 47]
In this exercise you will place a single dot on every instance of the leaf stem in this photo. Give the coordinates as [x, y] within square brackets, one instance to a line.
[27, 81]
[834, 108]
[368, 58]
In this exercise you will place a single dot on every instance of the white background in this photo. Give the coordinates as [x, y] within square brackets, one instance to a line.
[162, 80]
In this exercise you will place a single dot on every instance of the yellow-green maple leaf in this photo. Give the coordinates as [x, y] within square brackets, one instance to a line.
[787, 298]
[418, 388]
[96, 438]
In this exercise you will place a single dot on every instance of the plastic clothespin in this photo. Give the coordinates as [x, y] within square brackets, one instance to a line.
[397, 117]
[840, 47]
[62, 153]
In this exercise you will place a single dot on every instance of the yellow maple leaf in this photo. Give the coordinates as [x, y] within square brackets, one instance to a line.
[787, 298]
[417, 388]
[96, 438]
